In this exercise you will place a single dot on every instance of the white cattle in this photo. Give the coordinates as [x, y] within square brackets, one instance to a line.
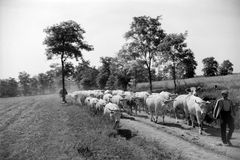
[107, 91]
[113, 111]
[132, 102]
[100, 105]
[107, 97]
[167, 95]
[144, 96]
[117, 100]
[199, 108]
[117, 92]
[87, 101]
[93, 102]
[81, 98]
[158, 105]
[180, 103]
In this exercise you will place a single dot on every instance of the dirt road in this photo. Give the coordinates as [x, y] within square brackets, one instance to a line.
[185, 140]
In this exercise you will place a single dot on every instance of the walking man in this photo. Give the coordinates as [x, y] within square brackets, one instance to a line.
[224, 110]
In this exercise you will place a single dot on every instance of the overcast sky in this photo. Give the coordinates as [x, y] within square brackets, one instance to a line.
[213, 28]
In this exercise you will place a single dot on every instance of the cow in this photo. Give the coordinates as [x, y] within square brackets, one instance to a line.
[158, 105]
[81, 98]
[143, 96]
[100, 105]
[107, 97]
[180, 103]
[167, 95]
[87, 101]
[113, 111]
[132, 102]
[93, 102]
[199, 108]
[117, 99]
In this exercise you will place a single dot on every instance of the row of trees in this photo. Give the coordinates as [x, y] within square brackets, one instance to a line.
[25, 85]
[113, 74]
[212, 67]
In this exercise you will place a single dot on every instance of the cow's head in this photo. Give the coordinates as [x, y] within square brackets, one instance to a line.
[110, 98]
[137, 100]
[204, 106]
[94, 102]
[192, 90]
[115, 114]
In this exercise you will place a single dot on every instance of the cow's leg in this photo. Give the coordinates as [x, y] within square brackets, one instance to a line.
[200, 122]
[156, 115]
[116, 125]
[152, 118]
[192, 119]
[136, 108]
[176, 115]
[139, 108]
[187, 115]
[130, 110]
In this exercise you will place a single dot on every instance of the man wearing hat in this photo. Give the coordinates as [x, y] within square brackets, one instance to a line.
[224, 110]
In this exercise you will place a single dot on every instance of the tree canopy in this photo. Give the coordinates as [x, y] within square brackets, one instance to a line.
[226, 68]
[65, 40]
[145, 35]
[210, 66]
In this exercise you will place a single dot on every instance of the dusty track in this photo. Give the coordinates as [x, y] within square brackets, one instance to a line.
[184, 139]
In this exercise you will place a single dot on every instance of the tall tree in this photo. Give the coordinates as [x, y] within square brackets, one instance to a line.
[104, 72]
[51, 75]
[34, 85]
[210, 66]
[188, 65]
[24, 80]
[172, 47]
[145, 34]
[65, 40]
[126, 60]
[43, 82]
[8, 87]
[120, 74]
[226, 68]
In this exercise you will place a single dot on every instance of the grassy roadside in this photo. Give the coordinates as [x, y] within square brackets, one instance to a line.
[96, 139]
[40, 127]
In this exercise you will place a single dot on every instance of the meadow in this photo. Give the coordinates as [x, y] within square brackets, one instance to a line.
[40, 127]
[229, 82]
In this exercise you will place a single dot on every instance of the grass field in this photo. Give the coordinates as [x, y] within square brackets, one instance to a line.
[230, 82]
[40, 127]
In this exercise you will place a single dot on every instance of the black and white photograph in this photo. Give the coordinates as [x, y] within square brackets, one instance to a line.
[119, 79]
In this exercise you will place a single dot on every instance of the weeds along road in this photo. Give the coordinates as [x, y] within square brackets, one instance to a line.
[39, 127]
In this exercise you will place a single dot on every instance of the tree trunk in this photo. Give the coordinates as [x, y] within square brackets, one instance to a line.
[150, 79]
[63, 81]
[174, 77]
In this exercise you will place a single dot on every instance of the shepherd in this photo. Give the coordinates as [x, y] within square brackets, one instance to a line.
[62, 93]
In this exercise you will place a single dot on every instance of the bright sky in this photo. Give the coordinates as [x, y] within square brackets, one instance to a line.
[213, 28]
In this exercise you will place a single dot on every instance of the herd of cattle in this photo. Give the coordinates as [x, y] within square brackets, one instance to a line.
[112, 103]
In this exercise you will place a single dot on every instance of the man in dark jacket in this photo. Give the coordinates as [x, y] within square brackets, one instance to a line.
[224, 110]
[62, 93]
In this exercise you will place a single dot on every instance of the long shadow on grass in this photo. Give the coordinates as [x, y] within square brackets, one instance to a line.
[142, 116]
[212, 131]
[127, 117]
[176, 125]
[126, 133]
